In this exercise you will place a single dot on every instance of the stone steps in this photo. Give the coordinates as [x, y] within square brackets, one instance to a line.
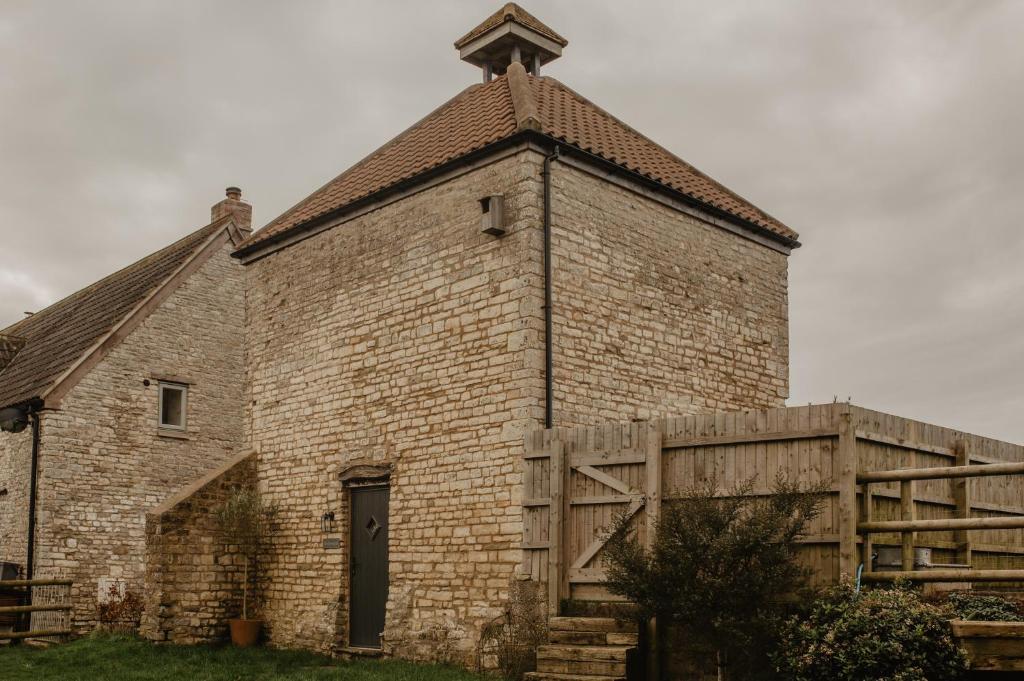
[586, 649]
[550, 676]
[594, 638]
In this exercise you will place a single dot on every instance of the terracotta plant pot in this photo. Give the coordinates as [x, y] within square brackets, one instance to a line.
[245, 633]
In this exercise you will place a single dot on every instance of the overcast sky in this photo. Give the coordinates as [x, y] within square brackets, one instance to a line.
[889, 134]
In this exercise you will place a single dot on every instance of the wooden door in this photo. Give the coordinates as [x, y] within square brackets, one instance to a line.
[368, 565]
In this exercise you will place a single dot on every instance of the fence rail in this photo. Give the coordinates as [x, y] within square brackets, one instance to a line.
[26, 589]
[889, 477]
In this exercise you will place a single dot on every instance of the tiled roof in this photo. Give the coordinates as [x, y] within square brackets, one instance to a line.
[510, 12]
[56, 337]
[567, 116]
[485, 113]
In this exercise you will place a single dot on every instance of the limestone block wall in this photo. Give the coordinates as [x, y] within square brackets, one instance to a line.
[404, 336]
[103, 462]
[15, 462]
[658, 313]
[192, 579]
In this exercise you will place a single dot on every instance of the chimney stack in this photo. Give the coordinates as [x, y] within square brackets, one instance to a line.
[234, 206]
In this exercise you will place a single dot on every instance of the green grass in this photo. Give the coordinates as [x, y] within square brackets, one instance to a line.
[118, 658]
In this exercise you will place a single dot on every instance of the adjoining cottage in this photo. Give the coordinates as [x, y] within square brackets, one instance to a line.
[112, 399]
[517, 258]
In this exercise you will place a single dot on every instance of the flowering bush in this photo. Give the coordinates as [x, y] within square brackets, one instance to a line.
[964, 605]
[888, 634]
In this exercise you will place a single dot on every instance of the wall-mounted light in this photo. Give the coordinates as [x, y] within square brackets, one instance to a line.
[13, 420]
[492, 220]
[327, 522]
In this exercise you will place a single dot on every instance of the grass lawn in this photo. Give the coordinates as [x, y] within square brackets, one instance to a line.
[117, 658]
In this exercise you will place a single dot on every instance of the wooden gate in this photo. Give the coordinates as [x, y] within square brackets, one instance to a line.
[574, 490]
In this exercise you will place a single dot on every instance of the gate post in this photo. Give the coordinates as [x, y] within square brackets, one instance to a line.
[555, 523]
[847, 468]
[652, 463]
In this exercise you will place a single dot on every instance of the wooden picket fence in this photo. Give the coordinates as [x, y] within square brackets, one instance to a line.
[44, 609]
[577, 480]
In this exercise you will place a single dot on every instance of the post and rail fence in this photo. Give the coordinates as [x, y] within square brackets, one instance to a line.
[42, 608]
[893, 482]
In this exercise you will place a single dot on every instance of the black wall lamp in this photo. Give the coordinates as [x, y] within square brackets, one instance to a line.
[327, 522]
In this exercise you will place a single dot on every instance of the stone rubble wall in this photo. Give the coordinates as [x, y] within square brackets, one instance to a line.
[192, 579]
[657, 313]
[15, 474]
[404, 336]
[103, 462]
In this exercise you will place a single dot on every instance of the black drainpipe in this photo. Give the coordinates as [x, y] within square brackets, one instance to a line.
[31, 547]
[549, 378]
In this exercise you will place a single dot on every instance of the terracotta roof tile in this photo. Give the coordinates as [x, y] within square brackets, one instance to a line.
[510, 12]
[478, 116]
[54, 339]
[567, 116]
[483, 114]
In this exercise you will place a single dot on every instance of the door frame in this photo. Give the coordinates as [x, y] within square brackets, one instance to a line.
[360, 475]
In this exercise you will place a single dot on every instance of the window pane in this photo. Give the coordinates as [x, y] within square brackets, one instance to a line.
[172, 411]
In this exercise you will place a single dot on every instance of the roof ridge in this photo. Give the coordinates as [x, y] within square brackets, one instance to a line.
[256, 234]
[71, 331]
[524, 104]
[510, 11]
[673, 155]
[7, 330]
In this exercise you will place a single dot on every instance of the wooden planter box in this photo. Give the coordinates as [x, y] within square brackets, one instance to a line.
[992, 646]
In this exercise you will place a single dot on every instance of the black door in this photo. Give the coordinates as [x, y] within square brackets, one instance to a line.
[369, 565]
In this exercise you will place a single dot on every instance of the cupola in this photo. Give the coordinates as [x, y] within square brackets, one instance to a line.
[510, 34]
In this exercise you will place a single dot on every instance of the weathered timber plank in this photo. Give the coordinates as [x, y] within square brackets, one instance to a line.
[751, 438]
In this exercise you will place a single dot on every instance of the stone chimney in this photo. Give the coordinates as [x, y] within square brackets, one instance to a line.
[235, 206]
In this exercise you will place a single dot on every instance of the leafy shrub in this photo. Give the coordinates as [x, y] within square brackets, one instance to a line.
[719, 568]
[888, 634]
[964, 605]
[122, 610]
[512, 638]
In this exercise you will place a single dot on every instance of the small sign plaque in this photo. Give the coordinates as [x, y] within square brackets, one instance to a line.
[332, 543]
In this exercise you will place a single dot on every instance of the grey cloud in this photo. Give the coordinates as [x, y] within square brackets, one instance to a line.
[886, 133]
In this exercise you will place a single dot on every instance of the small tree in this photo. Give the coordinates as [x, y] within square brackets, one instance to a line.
[244, 522]
[720, 566]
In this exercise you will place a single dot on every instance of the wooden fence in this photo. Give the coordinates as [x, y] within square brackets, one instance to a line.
[576, 480]
[41, 606]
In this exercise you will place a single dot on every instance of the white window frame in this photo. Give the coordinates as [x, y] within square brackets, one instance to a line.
[183, 389]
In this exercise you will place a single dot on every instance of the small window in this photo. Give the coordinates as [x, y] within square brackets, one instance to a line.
[173, 402]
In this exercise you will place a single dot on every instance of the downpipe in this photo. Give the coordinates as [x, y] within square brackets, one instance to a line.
[549, 378]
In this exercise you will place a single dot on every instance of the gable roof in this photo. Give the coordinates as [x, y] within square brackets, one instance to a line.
[510, 12]
[53, 340]
[487, 113]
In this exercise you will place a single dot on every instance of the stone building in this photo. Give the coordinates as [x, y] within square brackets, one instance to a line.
[517, 258]
[115, 397]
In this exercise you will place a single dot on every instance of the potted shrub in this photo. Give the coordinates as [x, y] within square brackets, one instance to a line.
[244, 522]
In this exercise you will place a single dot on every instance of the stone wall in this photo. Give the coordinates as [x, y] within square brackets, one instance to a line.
[103, 461]
[15, 473]
[657, 313]
[406, 336]
[192, 579]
